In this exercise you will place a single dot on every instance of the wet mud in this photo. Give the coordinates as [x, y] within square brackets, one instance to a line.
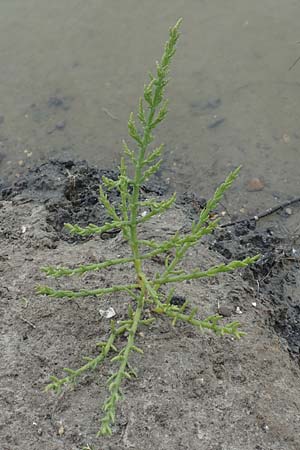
[276, 275]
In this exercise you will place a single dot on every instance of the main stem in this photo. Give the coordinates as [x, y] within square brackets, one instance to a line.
[135, 200]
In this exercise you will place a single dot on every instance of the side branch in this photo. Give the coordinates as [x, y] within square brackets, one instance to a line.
[94, 229]
[84, 292]
[210, 323]
[92, 363]
[65, 271]
[207, 273]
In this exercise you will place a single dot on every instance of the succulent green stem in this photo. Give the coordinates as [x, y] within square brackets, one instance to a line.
[122, 372]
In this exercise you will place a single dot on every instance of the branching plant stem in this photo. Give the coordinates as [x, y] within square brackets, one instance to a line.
[143, 289]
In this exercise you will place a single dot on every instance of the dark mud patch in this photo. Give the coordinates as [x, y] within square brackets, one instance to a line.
[193, 391]
[276, 275]
[70, 192]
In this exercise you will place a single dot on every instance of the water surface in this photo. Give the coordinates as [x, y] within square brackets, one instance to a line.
[71, 72]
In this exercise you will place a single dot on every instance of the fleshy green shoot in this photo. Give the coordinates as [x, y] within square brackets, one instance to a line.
[144, 290]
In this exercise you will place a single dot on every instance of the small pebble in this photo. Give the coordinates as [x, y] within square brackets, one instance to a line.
[289, 211]
[60, 125]
[61, 430]
[255, 184]
[225, 311]
[216, 123]
[108, 313]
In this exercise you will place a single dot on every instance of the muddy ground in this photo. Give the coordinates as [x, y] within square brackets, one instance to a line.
[194, 391]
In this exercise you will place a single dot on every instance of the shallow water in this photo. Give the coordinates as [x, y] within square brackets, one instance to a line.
[71, 72]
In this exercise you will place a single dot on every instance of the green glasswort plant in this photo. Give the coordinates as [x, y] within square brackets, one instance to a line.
[143, 290]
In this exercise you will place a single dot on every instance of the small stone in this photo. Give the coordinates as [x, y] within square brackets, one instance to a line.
[216, 123]
[60, 125]
[61, 430]
[225, 311]
[288, 211]
[108, 313]
[255, 184]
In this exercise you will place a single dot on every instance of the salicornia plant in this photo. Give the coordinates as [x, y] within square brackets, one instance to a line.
[134, 211]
